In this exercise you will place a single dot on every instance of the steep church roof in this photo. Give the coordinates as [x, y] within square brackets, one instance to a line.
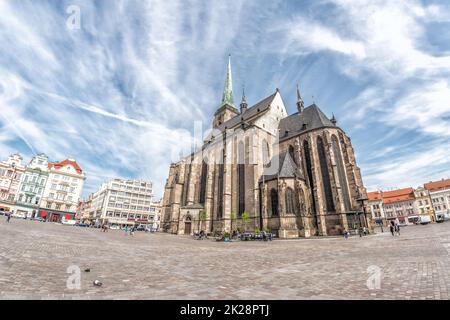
[258, 108]
[311, 118]
[282, 166]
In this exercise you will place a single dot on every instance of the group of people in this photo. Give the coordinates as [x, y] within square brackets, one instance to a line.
[130, 230]
[394, 227]
[363, 231]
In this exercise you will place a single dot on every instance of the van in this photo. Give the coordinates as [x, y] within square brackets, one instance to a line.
[423, 220]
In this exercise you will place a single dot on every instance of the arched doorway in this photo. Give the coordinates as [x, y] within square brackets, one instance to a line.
[187, 225]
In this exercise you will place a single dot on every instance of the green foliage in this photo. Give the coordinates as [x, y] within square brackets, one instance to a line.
[203, 215]
[226, 235]
[257, 231]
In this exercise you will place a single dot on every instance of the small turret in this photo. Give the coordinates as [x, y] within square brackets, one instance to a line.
[300, 103]
[243, 104]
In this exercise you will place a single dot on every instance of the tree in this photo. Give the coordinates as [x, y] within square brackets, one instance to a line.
[245, 217]
[203, 216]
[232, 218]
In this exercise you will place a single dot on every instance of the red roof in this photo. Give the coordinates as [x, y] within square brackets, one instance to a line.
[437, 185]
[59, 165]
[398, 195]
[375, 195]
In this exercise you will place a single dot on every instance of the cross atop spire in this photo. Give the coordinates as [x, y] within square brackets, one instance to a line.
[227, 97]
[300, 103]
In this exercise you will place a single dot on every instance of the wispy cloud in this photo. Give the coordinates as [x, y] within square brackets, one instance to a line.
[121, 94]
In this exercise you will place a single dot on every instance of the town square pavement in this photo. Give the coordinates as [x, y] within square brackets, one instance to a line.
[40, 260]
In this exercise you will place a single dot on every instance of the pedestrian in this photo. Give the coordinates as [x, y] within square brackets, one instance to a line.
[8, 217]
[397, 228]
[365, 231]
[345, 234]
[391, 227]
[126, 229]
[132, 231]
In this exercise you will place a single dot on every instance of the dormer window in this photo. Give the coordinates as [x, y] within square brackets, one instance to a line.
[304, 126]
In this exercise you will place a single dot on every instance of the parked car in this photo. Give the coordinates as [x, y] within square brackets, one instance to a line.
[38, 219]
[83, 225]
[114, 227]
[69, 222]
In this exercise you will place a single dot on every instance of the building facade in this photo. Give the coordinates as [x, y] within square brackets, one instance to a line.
[121, 202]
[375, 207]
[62, 191]
[32, 187]
[156, 212]
[399, 206]
[260, 168]
[440, 198]
[423, 205]
[11, 172]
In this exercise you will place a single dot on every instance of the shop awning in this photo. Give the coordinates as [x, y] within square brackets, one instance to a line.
[44, 214]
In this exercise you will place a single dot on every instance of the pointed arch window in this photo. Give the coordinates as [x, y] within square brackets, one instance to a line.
[292, 153]
[265, 153]
[290, 204]
[274, 202]
[220, 186]
[241, 178]
[202, 195]
[325, 175]
[308, 163]
[341, 172]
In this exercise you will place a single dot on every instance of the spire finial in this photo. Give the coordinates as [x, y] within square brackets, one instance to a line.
[227, 97]
[333, 119]
[300, 103]
[243, 104]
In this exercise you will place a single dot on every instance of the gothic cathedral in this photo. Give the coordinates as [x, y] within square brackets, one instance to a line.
[262, 169]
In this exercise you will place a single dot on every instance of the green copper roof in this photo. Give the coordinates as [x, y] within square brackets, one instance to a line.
[227, 97]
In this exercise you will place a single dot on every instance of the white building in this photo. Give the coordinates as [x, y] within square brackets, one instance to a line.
[62, 191]
[440, 197]
[122, 202]
[11, 171]
[32, 187]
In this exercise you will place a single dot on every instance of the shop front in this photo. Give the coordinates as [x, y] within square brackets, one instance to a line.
[56, 216]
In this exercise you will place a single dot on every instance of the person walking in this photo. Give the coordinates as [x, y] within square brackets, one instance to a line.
[345, 234]
[8, 217]
[397, 229]
[392, 228]
[126, 229]
[132, 231]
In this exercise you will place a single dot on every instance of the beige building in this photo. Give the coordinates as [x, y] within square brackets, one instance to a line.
[62, 191]
[11, 171]
[260, 168]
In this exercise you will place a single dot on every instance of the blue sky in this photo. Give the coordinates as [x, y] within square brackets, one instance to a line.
[122, 92]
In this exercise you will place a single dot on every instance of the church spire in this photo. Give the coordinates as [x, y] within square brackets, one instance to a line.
[227, 97]
[243, 104]
[300, 103]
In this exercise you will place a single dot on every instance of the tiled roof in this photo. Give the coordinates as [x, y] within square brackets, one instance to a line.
[398, 195]
[311, 118]
[58, 165]
[375, 195]
[258, 108]
[284, 166]
[437, 185]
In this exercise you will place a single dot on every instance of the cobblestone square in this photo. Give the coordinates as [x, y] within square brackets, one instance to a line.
[35, 256]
